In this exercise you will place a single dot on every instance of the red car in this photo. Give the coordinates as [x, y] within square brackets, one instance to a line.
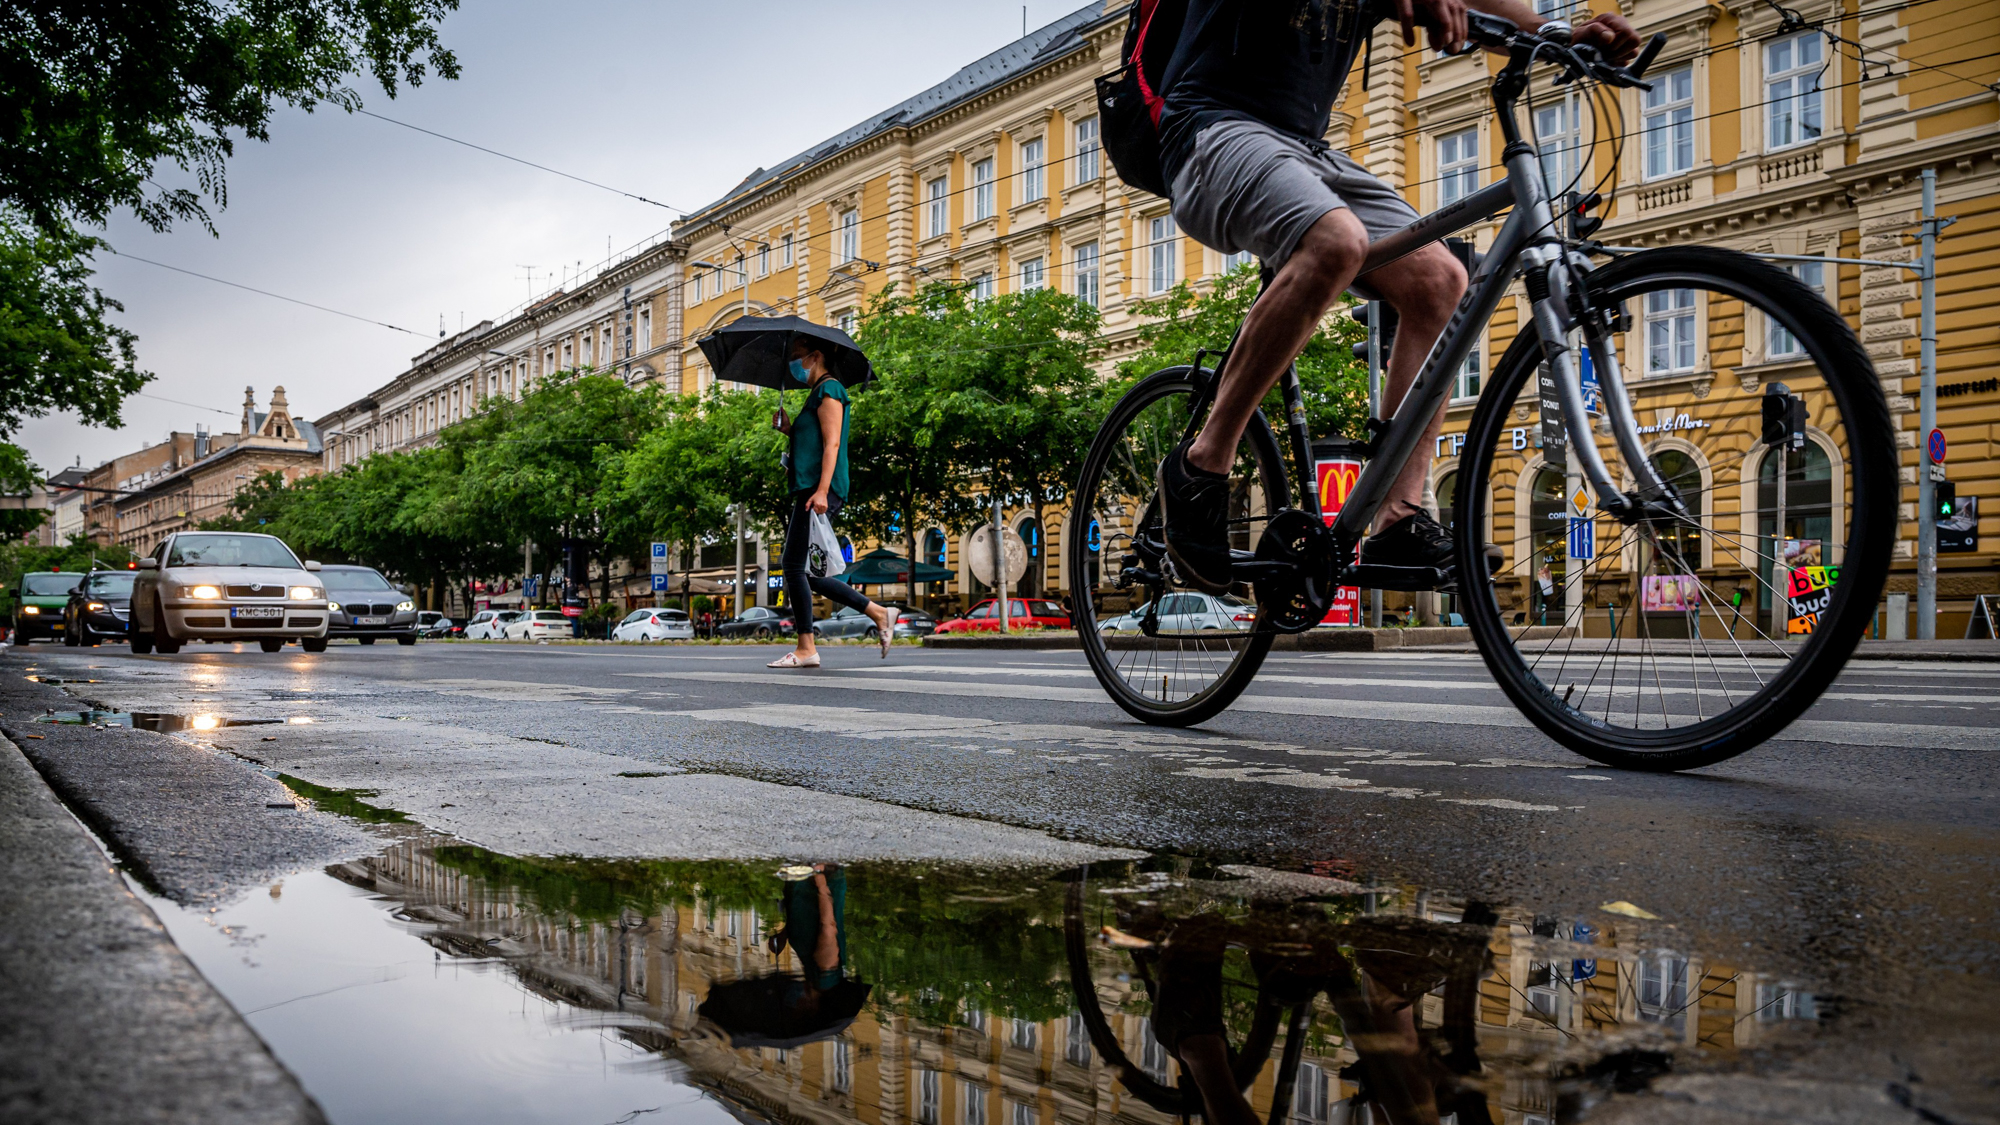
[1022, 613]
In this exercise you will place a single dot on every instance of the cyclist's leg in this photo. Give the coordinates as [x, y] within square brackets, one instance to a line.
[1283, 319]
[1424, 289]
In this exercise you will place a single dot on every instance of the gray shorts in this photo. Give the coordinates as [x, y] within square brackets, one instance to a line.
[1247, 186]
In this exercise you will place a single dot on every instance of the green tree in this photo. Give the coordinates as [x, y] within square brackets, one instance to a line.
[57, 350]
[684, 479]
[1335, 386]
[98, 95]
[18, 477]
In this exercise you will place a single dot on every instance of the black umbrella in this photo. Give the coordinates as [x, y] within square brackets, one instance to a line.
[782, 1010]
[758, 349]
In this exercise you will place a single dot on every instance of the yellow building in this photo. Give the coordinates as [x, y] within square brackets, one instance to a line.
[994, 178]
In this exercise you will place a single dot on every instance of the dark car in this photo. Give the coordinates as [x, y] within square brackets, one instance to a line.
[758, 621]
[366, 606]
[100, 608]
[433, 623]
[847, 623]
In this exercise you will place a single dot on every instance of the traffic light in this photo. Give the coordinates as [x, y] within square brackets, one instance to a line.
[1784, 416]
[1944, 499]
[1388, 328]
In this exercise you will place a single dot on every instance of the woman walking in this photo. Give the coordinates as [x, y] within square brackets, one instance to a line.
[818, 471]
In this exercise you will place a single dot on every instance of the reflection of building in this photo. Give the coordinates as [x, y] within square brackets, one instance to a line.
[186, 493]
[1555, 990]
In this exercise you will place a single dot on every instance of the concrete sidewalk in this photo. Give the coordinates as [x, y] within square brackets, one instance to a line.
[104, 1018]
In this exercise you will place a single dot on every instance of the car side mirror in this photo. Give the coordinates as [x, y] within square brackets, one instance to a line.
[149, 564]
[312, 565]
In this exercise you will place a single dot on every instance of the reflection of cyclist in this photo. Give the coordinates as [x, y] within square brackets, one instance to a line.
[1249, 92]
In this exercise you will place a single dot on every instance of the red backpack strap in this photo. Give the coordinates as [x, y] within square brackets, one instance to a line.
[1143, 13]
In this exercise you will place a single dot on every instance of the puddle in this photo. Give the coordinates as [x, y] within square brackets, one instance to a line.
[157, 720]
[472, 987]
[61, 680]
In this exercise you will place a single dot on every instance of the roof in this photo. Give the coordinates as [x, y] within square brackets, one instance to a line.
[1022, 55]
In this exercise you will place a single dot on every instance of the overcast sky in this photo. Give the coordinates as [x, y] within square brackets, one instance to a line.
[674, 101]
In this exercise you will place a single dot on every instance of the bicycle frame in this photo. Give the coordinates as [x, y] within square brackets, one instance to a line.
[1528, 244]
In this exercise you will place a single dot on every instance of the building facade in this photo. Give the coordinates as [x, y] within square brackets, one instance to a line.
[182, 494]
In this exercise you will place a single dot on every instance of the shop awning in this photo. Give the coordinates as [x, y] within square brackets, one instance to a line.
[883, 566]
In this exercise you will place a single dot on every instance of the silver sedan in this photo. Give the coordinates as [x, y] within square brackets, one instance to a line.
[226, 586]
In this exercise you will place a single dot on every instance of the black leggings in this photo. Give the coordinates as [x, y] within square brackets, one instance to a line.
[800, 585]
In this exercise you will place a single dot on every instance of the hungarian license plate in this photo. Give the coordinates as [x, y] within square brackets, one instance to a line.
[257, 612]
[371, 621]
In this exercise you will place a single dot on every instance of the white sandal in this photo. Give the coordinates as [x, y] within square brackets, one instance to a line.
[791, 660]
[886, 633]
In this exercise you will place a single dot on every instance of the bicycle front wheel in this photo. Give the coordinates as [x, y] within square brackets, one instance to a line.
[1165, 652]
[1679, 641]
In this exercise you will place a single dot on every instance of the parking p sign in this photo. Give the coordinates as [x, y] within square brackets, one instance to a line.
[660, 562]
[660, 583]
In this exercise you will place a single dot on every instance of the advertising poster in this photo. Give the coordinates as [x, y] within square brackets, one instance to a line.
[1800, 552]
[1807, 593]
[1346, 607]
[1669, 593]
[1336, 481]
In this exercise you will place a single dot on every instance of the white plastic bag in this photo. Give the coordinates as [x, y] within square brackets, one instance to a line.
[823, 556]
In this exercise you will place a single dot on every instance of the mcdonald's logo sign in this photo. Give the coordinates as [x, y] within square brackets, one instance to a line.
[1336, 483]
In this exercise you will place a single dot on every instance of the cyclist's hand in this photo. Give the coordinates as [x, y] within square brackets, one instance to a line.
[1612, 35]
[1444, 18]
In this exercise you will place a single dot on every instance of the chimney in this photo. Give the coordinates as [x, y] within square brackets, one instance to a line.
[200, 440]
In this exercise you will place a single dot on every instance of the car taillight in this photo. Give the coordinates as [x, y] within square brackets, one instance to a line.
[1244, 617]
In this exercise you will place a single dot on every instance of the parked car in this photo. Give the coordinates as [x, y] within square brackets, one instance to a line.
[850, 622]
[38, 602]
[1187, 613]
[431, 623]
[99, 608]
[757, 622]
[366, 606]
[226, 586]
[490, 624]
[540, 625]
[655, 625]
[1022, 613]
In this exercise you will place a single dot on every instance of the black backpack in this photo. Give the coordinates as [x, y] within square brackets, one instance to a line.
[1129, 100]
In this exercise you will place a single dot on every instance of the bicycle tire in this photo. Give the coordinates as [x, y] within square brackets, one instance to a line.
[1205, 704]
[1870, 510]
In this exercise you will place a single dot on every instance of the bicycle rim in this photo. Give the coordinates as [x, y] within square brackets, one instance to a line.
[1684, 641]
[1166, 653]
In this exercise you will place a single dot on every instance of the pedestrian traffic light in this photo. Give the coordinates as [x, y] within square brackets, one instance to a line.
[1784, 416]
[1944, 499]
[1387, 328]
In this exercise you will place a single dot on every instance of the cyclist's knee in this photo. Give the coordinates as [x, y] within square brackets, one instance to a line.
[1428, 286]
[1330, 253]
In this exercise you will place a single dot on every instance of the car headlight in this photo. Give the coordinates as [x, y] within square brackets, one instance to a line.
[304, 593]
[200, 592]
[333, 607]
[31, 610]
[405, 607]
[93, 605]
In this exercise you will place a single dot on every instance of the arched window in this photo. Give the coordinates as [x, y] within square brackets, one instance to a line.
[1030, 530]
[933, 551]
[1809, 528]
[1548, 545]
[1447, 488]
[1679, 468]
[1094, 538]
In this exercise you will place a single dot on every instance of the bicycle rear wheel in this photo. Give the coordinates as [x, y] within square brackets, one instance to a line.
[1170, 655]
[1689, 639]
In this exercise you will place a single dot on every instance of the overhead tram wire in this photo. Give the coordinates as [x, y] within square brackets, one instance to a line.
[268, 293]
[520, 160]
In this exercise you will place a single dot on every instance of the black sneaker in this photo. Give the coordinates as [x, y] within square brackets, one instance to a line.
[1413, 541]
[1194, 512]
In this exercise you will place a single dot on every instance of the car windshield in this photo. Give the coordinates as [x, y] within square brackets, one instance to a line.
[549, 615]
[216, 549]
[48, 585]
[1048, 609]
[117, 583]
[636, 615]
[359, 580]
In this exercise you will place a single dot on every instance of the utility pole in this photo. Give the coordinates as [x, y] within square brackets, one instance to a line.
[739, 560]
[1374, 411]
[999, 565]
[1927, 415]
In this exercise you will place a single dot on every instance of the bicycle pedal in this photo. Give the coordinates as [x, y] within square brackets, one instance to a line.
[1409, 579]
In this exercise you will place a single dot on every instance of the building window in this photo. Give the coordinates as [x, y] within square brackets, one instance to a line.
[1662, 987]
[1792, 67]
[971, 1103]
[1778, 1002]
[606, 349]
[1465, 385]
[1161, 239]
[930, 1095]
[846, 322]
[1020, 1113]
[1559, 140]
[1314, 1095]
[1032, 275]
[585, 345]
[1087, 149]
[1025, 1034]
[1076, 1041]
[785, 251]
[843, 1067]
[1669, 331]
[1031, 171]
[1668, 123]
[694, 290]
[1458, 165]
[937, 195]
[1086, 273]
[982, 285]
[850, 236]
[1779, 341]
[982, 190]
[1680, 542]
[1234, 261]
[645, 330]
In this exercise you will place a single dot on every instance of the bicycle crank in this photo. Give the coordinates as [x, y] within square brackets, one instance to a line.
[1294, 569]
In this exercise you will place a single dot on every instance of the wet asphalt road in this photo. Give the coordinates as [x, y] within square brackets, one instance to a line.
[1856, 854]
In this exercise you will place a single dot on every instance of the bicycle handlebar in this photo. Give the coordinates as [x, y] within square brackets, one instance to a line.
[1578, 61]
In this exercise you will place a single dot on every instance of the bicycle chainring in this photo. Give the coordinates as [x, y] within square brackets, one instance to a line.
[1301, 599]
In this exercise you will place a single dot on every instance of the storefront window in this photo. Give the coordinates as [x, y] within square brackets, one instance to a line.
[1549, 546]
[1030, 531]
[1809, 523]
[1681, 543]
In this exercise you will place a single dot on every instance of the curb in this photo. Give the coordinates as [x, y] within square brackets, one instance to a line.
[1317, 640]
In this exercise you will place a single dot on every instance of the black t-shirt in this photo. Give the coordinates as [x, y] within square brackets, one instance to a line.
[1280, 62]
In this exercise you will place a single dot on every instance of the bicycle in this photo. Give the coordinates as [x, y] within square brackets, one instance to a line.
[1652, 692]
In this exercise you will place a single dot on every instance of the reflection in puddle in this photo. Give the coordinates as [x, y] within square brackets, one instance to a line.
[575, 990]
[156, 720]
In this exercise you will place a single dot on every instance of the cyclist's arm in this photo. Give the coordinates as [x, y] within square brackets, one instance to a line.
[1612, 34]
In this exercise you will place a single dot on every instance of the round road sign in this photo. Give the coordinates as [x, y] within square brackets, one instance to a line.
[1937, 447]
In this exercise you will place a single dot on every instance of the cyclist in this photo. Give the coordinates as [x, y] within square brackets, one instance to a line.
[1249, 92]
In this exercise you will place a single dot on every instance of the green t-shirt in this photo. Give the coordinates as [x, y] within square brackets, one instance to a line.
[807, 448]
